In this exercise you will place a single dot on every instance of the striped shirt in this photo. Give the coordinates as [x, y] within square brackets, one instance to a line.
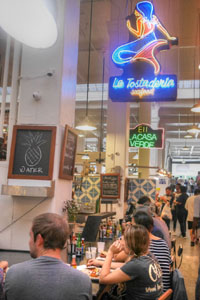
[161, 251]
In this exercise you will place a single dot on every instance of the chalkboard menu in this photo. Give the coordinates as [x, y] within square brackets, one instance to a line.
[32, 152]
[110, 185]
[68, 154]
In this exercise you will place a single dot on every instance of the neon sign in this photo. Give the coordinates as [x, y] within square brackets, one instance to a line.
[160, 88]
[143, 136]
[141, 79]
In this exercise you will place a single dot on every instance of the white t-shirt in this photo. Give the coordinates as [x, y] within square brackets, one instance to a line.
[189, 205]
[197, 207]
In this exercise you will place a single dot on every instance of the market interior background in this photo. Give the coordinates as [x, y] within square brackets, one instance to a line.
[180, 155]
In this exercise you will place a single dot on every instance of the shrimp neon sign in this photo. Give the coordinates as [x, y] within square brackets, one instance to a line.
[138, 59]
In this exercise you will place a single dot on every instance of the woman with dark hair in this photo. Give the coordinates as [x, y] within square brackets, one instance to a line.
[141, 274]
[158, 247]
[181, 211]
[146, 41]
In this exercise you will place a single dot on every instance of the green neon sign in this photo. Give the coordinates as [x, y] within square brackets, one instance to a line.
[143, 136]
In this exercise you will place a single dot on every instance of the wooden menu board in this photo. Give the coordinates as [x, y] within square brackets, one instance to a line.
[32, 152]
[68, 154]
[110, 185]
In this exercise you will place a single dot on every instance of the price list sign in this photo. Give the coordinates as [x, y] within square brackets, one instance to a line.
[68, 154]
[110, 185]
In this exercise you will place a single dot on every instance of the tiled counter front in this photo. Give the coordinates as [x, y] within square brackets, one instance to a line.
[137, 188]
[86, 192]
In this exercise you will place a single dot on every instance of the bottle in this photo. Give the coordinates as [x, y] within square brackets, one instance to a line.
[104, 231]
[101, 233]
[117, 229]
[83, 246]
[73, 263]
[78, 246]
[73, 243]
[111, 233]
[69, 246]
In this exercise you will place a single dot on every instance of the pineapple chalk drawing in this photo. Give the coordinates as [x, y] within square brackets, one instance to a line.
[33, 154]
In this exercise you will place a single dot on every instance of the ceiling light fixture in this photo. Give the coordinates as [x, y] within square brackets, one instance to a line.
[188, 136]
[185, 148]
[29, 22]
[86, 123]
[85, 156]
[196, 108]
[194, 129]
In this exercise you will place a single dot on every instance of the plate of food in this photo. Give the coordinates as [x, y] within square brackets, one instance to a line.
[93, 272]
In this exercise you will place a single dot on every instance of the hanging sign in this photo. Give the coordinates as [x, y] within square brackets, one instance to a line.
[143, 136]
[141, 79]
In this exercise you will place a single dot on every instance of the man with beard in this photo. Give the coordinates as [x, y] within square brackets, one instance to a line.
[46, 277]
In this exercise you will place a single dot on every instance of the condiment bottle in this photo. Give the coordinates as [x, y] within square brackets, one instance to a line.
[73, 263]
[83, 245]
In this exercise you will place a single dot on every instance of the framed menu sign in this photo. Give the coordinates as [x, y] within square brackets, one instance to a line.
[32, 152]
[110, 185]
[68, 154]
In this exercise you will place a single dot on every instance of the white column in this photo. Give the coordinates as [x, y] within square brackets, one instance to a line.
[154, 153]
[5, 81]
[117, 113]
[56, 107]
[144, 154]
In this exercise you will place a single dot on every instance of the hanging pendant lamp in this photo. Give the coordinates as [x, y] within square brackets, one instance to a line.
[196, 108]
[188, 136]
[194, 129]
[86, 125]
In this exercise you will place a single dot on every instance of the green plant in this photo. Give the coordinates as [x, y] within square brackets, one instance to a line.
[71, 208]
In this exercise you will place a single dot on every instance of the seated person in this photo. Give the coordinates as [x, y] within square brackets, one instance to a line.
[3, 268]
[141, 275]
[158, 247]
[46, 277]
[160, 228]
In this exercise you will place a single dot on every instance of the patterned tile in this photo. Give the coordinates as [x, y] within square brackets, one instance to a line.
[141, 187]
[87, 192]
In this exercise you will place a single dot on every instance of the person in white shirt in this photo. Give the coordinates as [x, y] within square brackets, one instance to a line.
[189, 205]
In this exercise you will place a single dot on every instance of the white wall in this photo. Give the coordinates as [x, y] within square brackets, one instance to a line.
[56, 107]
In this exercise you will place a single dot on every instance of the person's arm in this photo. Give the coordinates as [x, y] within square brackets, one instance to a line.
[140, 28]
[162, 29]
[117, 276]
[121, 256]
[99, 263]
[4, 265]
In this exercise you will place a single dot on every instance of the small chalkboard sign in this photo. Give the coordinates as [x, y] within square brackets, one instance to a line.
[110, 185]
[68, 154]
[32, 152]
